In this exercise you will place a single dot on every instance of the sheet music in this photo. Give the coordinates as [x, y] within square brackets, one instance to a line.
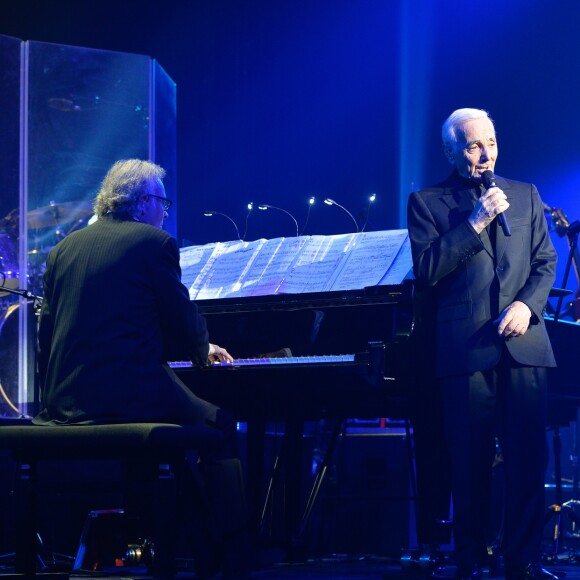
[315, 265]
[401, 266]
[193, 260]
[224, 278]
[296, 265]
[370, 257]
[268, 270]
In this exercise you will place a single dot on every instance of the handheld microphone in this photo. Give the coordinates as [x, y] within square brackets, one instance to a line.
[488, 179]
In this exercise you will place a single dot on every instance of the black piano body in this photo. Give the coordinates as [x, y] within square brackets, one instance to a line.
[374, 324]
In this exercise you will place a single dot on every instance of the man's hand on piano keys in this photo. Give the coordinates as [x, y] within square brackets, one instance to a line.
[219, 354]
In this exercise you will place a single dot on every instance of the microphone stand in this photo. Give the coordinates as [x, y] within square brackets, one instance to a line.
[572, 235]
[36, 300]
[572, 232]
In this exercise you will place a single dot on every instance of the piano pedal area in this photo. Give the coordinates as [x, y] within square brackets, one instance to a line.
[348, 490]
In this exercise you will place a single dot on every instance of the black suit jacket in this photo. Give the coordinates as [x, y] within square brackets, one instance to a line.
[465, 281]
[114, 311]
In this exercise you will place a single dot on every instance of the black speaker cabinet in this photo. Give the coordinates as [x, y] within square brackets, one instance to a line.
[365, 506]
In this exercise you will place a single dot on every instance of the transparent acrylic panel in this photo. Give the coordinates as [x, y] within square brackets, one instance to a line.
[163, 139]
[10, 49]
[86, 109]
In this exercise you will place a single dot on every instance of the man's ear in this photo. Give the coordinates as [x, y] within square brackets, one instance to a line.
[141, 204]
[448, 152]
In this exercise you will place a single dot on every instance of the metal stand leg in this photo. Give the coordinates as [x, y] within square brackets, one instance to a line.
[320, 475]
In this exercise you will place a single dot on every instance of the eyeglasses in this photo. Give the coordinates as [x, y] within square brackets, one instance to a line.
[165, 203]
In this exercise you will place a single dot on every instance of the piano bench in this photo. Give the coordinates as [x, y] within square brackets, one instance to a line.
[157, 447]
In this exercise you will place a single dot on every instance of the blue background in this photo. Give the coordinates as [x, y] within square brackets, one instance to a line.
[282, 100]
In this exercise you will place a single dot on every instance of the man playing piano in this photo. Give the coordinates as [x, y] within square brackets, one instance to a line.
[114, 311]
[486, 287]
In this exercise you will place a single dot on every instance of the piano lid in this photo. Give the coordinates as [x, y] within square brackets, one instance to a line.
[393, 294]
[329, 323]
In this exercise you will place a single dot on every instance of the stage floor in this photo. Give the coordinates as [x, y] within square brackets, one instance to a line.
[337, 567]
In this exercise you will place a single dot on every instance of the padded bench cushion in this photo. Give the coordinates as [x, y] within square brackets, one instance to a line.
[113, 439]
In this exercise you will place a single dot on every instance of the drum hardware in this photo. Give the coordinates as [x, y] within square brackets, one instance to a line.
[8, 401]
[9, 266]
[8, 357]
[8, 256]
[9, 311]
[55, 214]
[10, 221]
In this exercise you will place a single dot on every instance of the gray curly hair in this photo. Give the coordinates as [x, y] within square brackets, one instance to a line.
[124, 183]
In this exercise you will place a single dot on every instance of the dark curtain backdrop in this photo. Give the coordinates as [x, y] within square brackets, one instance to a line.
[279, 100]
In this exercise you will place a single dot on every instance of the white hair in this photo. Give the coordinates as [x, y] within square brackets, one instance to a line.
[455, 120]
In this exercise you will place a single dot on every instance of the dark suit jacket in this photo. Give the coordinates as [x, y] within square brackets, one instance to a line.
[114, 312]
[465, 281]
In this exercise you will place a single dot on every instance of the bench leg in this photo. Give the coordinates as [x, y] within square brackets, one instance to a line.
[165, 522]
[26, 519]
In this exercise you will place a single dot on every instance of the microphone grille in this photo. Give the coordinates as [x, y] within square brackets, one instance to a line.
[488, 179]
